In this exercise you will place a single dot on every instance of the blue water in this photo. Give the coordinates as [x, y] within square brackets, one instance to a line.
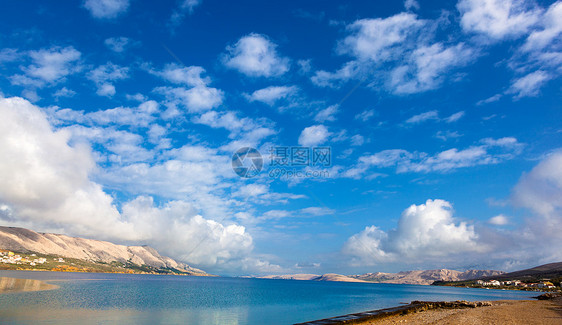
[89, 298]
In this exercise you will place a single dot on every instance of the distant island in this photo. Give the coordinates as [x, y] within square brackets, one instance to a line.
[24, 249]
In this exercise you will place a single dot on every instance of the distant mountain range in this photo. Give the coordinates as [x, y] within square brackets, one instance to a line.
[546, 271]
[407, 277]
[137, 258]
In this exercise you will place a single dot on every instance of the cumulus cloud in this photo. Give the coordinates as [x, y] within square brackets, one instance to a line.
[104, 76]
[314, 135]
[52, 177]
[424, 232]
[428, 233]
[106, 9]
[272, 94]
[498, 19]
[47, 185]
[256, 56]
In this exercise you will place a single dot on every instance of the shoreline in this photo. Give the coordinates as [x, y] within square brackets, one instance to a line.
[8, 285]
[546, 310]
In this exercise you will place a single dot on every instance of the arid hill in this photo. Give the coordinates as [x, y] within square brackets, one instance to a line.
[25, 240]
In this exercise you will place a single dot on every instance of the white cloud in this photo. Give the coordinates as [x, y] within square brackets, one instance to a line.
[177, 74]
[489, 151]
[433, 115]
[327, 114]
[178, 230]
[9, 55]
[248, 132]
[186, 7]
[380, 39]
[426, 116]
[446, 135]
[104, 75]
[196, 99]
[499, 220]
[64, 92]
[541, 189]
[49, 66]
[411, 4]
[47, 185]
[106, 9]
[412, 63]
[424, 232]
[498, 19]
[349, 71]
[314, 135]
[118, 44]
[491, 99]
[357, 140]
[256, 56]
[31, 95]
[454, 117]
[551, 23]
[427, 66]
[141, 116]
[366, 115]
[529, 85]
[52, 177]
[272, 94]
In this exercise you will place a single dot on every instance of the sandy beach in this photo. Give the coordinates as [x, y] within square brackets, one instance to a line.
[16, 285]
[501, 312]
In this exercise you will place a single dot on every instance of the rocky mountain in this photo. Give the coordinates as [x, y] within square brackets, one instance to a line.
[313, 277]
[408, 277]
[25, 240]
[546, 271]
[425, 277]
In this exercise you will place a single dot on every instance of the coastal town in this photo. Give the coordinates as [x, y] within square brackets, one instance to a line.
[516, 284]
[9, 257]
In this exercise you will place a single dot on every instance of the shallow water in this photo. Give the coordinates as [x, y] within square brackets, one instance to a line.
[89, 298]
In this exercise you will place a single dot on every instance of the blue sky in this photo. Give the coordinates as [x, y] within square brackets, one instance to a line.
[120, 118]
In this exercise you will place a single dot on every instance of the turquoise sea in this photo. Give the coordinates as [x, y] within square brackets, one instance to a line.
[89, 298]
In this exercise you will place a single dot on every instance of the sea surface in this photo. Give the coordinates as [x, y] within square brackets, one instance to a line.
[90, 298]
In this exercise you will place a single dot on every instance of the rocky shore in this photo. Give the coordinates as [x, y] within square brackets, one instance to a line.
[546, 311]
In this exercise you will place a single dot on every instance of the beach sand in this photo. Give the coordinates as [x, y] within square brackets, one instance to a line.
[16, 285]
[501, 312]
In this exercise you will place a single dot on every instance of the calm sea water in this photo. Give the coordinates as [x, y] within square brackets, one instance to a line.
[88, 298]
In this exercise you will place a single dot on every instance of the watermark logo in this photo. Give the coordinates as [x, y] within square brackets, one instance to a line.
[247, 162]
[284, 162]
